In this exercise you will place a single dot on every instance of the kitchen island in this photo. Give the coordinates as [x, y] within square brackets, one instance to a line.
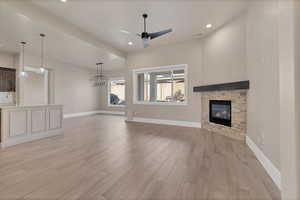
[21, 124]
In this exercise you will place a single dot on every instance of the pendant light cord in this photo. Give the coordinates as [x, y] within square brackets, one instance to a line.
[42, 49]
[23, 60]
[23, 56]
[42, 56]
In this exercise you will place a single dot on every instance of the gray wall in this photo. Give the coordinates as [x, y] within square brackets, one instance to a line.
[263, 73]
[74, 89]
[289, 98]
[6, 60]
[72, 85]
[224, 54]
[34, 89]
[297, 89]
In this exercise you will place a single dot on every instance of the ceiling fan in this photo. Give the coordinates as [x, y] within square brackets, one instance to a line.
[145, 36]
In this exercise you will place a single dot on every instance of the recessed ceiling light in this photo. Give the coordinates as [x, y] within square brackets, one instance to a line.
[208, 25]
[64, 1]
[130, 43]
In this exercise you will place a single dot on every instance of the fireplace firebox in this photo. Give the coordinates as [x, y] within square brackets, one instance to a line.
[220, 112]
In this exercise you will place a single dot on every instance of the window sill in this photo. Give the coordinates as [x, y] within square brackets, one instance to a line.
[161, 103]
[117, 106]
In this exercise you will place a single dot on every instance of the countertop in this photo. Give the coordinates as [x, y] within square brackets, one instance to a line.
[27, 106]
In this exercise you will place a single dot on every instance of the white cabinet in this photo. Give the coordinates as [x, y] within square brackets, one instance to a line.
[38, 121]
[27, 123]
[17, 123]
[55, 116]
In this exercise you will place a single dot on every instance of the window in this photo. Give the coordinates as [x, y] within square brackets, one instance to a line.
[116, 91]
[161, 85]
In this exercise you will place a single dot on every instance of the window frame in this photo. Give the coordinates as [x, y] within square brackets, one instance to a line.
[109, 90]
[135, 72]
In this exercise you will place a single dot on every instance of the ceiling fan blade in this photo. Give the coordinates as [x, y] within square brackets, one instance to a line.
[125, 31]
[160, 33]
[129, 33]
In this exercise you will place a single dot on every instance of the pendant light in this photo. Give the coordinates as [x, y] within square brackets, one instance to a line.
[42, 68]
[99, 77]
[23, 73]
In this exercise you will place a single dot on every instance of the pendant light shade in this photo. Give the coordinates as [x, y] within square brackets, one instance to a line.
[23, 73]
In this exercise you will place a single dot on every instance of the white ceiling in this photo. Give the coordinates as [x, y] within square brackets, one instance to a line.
[59, 45]
[98, 24]
[104, 19]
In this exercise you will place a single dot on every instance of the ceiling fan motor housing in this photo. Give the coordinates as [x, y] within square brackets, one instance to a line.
[145, 35]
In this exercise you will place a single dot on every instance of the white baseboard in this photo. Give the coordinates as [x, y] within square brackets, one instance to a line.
[20, 140]
[273, 172]
[111, 112]
[71, 115]
[166, 122]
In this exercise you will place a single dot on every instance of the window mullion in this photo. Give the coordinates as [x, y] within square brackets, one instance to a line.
[172, 82]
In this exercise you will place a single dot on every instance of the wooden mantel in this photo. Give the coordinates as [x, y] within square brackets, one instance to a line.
[240, 85]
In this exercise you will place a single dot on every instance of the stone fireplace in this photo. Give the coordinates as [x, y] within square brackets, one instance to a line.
[224, 108]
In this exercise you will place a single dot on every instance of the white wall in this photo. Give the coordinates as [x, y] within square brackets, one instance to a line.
[6, 60]
[263, 114]
[34, 89]
[288, 29]
[224, 55]
[297, 89]
[72, 85]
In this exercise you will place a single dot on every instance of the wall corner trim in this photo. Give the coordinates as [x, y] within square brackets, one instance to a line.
[273, 172]
[165, 122]
[81, 114]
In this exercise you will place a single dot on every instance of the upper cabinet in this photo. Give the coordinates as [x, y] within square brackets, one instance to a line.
[7, 80]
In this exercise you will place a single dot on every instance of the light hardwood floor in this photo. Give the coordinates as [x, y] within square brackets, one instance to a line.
[102, 157]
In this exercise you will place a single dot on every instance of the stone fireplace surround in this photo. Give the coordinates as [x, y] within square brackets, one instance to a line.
[236, 93]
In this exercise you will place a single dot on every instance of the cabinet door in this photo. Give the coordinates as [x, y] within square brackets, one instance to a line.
[11, 82]
[55, 118]
[7, 80]
[2, 81]
[18, 123]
